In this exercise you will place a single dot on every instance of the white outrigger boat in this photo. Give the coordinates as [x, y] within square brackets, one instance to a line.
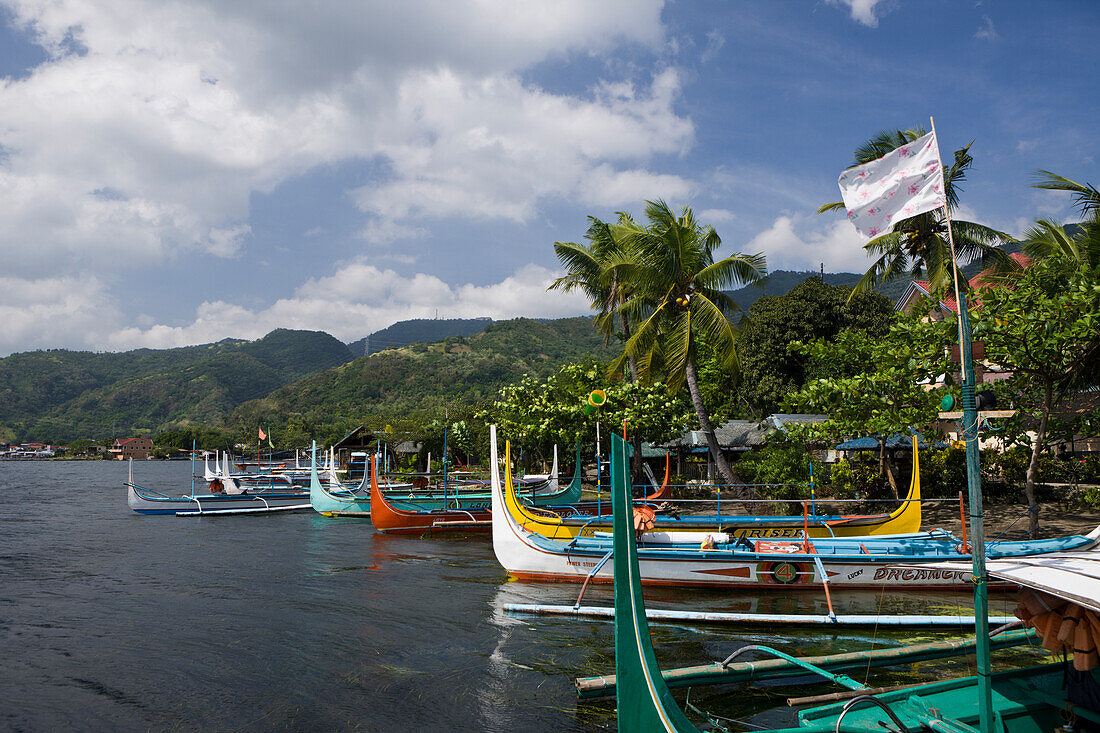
[719, 560]
[223, 498]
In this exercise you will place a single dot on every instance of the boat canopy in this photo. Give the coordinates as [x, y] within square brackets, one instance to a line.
[1074, 576]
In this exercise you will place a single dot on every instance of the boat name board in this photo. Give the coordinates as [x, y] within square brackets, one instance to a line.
[912, 574]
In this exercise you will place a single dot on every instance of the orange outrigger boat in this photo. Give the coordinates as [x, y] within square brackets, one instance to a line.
[391, 518]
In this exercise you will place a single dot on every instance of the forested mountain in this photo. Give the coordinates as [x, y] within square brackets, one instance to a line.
[454, 371]
[61, 395]
[424, 330]
[780, 282]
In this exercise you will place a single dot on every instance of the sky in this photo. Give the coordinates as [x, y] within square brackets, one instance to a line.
[176, 173]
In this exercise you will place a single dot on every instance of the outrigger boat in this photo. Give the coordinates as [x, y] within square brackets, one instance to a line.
[1034, 699]
[905, 519]
[399, 517]
[356, 503]
[717, 560]
[144, 500]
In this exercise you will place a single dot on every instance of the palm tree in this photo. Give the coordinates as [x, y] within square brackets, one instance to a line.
[677, 299]
[1048, 239]
[920, 242]
[588, 270]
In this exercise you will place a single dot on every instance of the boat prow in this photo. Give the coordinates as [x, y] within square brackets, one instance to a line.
[643, 700]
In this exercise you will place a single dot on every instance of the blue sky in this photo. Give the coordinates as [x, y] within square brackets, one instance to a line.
[180, 173]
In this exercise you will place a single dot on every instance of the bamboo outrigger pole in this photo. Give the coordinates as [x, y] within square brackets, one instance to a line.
[974, 485]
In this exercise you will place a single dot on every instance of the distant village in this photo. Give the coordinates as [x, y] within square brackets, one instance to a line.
[122, 449]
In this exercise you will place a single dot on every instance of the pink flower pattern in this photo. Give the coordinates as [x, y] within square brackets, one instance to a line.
[869, 190]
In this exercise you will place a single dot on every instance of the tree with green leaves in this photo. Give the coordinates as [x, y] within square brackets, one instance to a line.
[920, 242]
[539, 413]
[1078, 243]
[808, 312]
[677, 297]
[1085, 248]
[874, 385]
[1043, 326]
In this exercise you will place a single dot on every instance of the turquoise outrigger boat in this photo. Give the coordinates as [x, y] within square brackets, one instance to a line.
[1030, 700]
[357, 503]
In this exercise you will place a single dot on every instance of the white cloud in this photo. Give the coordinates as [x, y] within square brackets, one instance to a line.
[385, 231]
[863, 11]
[150, 142]
[715, 41]
[803, 243]
[987, 32]
[492, 148]
[715, 216]
[47, 312]
[361, 298]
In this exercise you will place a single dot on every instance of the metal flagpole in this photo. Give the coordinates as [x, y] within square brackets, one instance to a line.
[446, 417]
[599, 460]
[974, 484]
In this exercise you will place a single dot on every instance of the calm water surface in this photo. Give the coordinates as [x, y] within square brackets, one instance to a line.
[114, 621]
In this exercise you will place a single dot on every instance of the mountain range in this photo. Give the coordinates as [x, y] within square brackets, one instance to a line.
[59, 395]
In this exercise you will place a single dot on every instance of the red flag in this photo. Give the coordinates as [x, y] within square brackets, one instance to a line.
[262, 434]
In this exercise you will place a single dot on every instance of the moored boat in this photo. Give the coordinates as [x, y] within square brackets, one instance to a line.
[1032, 699]
[903, 520]
[401, 518]
[144, 500]
[717, 560]
[469, 497]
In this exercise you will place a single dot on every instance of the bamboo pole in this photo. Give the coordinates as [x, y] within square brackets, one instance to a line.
[974, 484]
[716, 674]
[796, 702]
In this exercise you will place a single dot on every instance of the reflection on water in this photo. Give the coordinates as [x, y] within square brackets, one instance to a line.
[110, 620]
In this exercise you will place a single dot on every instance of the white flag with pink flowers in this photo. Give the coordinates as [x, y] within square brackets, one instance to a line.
[905, 182]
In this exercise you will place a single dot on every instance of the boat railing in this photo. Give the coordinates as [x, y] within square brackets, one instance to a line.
[198, 502]
[143, 490]
[592, 574]
[871, 699]
[840, 679]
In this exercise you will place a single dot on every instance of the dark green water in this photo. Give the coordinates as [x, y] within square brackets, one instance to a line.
[114, 621]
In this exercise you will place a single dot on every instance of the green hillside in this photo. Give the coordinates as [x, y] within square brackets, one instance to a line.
[63, 395]
[455, 371]
[308, 376]
[424, 330]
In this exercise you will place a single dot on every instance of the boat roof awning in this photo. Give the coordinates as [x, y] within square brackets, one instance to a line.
[1074, 576]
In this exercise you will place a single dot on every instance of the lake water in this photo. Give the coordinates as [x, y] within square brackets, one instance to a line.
[114, 621]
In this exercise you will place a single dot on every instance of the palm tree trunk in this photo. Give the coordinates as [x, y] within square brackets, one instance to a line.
[705, 425]
[1033, 464]
[630, 358]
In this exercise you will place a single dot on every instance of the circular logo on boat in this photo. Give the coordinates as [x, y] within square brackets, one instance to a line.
[784, 572]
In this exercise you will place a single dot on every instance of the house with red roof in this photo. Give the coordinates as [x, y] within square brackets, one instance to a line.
[137, 448]
[919, 296]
